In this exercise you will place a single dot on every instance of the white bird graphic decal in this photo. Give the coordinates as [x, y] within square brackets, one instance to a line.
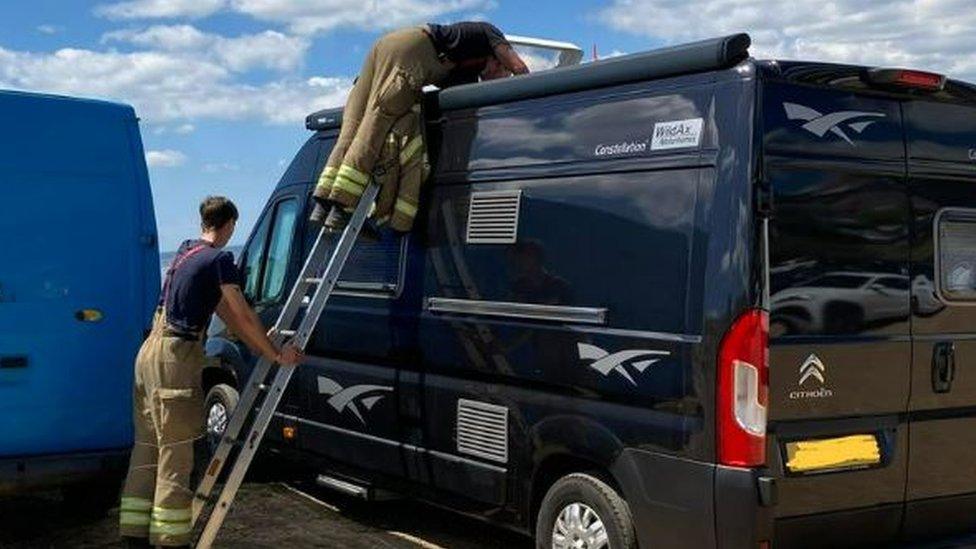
[819, 124]
[605, 362]
[352, 397]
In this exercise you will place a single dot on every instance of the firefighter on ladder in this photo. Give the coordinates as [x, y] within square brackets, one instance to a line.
[168, 400]
[381, 133]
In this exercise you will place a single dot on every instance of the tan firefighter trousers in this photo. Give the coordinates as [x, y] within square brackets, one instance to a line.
[401, 170]
[390, 83]
[167, 410]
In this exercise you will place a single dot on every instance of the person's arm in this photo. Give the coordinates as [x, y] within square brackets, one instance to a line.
[508, 57]
[241, 318]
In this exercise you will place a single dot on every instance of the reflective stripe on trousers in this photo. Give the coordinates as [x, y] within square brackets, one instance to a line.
[168, 418]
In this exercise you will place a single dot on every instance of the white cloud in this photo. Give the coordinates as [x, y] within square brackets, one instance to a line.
[215, 167]
[49, 29]
[302, 17]
[167, 87]
[166, 158]
[268, 49]
[311, 17]
[937, 35]
[150, 9]
[181, 129]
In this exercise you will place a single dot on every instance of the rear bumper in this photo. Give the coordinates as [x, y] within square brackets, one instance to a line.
[22, 474]
[678, 502]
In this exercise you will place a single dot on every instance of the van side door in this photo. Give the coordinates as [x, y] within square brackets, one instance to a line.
[352, 389]
[942, 172]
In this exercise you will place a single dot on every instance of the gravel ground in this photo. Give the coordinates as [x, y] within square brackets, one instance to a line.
[267, 515]
[282, 515]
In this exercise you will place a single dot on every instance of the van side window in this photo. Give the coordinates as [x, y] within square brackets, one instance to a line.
[373, 267]
[956, 255]
[266, 257]
[279, 250]
[253, 257]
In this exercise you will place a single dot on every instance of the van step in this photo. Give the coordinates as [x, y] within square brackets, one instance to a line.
[356, 489]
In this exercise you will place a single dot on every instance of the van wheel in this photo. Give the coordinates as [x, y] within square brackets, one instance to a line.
[583, 512]
[220, 403]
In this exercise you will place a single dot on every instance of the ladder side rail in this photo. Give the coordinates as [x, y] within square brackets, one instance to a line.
[293, 304]
[336, 263]
[244, 457]
[322, 293]
[231, 433]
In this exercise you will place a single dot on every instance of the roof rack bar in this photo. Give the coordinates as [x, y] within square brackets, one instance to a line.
[569, 53]
[706, 55]
[324, 119]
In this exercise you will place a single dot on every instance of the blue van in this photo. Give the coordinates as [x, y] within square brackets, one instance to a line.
[79, 277]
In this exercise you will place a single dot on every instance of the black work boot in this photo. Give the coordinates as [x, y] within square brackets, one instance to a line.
[320, 211]
[337, 220]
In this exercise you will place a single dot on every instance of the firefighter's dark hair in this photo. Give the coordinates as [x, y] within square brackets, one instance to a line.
[216, 211]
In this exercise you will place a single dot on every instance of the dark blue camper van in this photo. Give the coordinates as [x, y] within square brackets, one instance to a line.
[682, 298]
[79, 275]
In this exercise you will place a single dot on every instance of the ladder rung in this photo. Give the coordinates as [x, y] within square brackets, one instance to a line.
[313, 280]
[288, 333]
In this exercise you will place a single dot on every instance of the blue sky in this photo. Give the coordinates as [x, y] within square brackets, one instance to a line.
[222, 86]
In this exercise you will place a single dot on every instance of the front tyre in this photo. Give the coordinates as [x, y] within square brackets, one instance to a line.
[581, 511]
[220, 404]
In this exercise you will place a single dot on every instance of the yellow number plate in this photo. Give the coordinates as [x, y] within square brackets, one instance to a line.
[848, 452]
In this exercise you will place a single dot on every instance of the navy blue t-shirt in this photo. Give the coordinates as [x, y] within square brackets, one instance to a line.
[193, 290]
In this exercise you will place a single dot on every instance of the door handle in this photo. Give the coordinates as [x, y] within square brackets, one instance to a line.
[943, 366]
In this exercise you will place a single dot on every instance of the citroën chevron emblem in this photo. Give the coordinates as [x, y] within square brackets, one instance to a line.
[813, 367]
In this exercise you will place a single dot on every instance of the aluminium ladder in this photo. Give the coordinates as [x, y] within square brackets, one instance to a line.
[257, 404]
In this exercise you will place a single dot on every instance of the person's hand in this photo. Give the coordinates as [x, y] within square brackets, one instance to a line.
[290, 356]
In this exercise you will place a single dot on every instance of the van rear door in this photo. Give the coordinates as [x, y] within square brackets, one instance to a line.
[840, 351]
[942, 172]
[76, 280]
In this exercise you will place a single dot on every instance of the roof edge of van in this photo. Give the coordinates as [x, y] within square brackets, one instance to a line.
[71, 98]
[701, 56]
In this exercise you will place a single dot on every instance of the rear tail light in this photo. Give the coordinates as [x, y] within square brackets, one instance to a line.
[743, 391]
[903, 78]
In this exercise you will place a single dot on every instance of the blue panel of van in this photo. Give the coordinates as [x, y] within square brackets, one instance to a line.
[669, 243]
[77, 233]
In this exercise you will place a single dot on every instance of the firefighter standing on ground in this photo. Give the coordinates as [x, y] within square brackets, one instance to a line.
[389, 88]
[168, 400]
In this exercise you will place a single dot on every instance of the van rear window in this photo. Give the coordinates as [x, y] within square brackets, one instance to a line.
[956, 255]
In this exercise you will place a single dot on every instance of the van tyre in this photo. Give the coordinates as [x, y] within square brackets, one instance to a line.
[582, 511]
[219, 404]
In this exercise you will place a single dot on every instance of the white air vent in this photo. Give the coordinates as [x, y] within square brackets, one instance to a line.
[482, 430]
[493, 217]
